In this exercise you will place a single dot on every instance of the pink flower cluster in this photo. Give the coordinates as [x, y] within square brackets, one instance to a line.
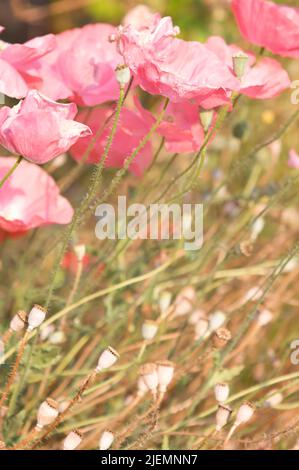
[79, 66]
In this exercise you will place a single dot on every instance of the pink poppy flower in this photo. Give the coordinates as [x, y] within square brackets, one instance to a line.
[181, 128]
[133, 126]
[19, 65]
[261, 80]
[82, 67]
[275, 27]
[171, 67]
[40, 129]
[293, 161]
[26, 206]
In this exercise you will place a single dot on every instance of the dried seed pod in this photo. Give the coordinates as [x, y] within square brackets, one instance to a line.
[221, 337]
[216, 320]
[72, 440]
[244, 413]
[246, 248]
[108, 357]
[19, 321]
[165, 370]
[149, 374]
[149, 329]
[47, 413]
[123, 75]
[36, 317]
[222, 416]
[106, 440]
[221, 391]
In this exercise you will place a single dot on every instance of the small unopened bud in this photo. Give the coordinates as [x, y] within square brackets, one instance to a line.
[149, 375]
[201, 328]
[36, 317]
[165, 370]
[47, 413]
[106, 440]
[264, 317]
[123, 75]
[221, 337]
[108, 357]
[240, 61]
[149, 329]
[206, 118]
[72, 440]
[19, 321]
[222, 416]
[216, 320]
[253, 294]
[80, 251]
[221, 391]
[245, 413]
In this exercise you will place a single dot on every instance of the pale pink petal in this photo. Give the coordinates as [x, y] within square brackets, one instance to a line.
[293, 161]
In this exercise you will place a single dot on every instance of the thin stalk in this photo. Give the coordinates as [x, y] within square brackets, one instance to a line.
[10, 172]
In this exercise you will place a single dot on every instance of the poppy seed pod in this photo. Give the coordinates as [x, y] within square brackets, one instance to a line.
[164, 301]
[221, 391]
[47, 413]
[184, 301]
[245, 412]
[72, 440]
[216, 320]
[123, 75]
[201, 328]
[142, 388]
[222, 416]
[36, 317]
[149, 329]
[221, 337]
[165, 370]
[206, 118]
[19, 321]
[264, 317]
[80, 251]
[108, 357]
[196, 316]
[240, 61]
[149, 375]
[106, 440]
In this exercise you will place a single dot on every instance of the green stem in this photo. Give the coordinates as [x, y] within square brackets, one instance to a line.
[10, 172]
